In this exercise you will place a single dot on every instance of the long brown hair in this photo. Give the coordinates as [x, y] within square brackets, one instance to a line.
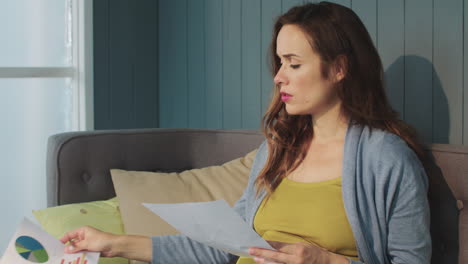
[334, 32]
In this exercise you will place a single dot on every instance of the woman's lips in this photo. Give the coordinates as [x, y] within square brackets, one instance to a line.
[285, 96]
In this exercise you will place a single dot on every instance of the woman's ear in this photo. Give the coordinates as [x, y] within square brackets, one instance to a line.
[340, 67]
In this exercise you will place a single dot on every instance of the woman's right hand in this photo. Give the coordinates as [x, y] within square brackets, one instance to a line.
[90, 239]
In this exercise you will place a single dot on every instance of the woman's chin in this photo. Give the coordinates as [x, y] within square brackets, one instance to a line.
[292, 111]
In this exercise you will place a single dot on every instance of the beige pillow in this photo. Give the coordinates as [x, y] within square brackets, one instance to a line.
[133, 188]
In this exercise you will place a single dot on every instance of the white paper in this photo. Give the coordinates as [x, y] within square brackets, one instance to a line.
[53, 247]
[214, 224]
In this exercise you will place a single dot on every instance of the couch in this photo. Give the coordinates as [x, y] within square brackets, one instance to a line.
[78, 166]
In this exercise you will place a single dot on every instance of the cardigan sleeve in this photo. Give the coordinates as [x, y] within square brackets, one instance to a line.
[408, 213]
[402, 203]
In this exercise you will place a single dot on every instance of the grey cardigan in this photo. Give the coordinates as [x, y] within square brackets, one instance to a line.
[384, 189]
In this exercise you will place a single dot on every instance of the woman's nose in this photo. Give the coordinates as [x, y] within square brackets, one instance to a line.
[280, 78]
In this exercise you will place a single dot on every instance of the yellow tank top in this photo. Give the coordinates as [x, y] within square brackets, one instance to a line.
[310, 212]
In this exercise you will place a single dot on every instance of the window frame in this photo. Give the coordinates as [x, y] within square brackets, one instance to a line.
[81, 71]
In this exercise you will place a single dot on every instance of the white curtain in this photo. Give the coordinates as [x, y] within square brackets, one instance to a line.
[33, 34]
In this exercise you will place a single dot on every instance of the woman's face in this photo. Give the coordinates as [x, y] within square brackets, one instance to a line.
[303, 89]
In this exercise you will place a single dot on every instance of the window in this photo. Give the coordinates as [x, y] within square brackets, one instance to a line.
[45, 88]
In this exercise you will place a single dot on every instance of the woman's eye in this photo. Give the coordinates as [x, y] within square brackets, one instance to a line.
[295, 66]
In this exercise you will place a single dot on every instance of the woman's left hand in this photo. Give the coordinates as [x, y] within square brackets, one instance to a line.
[297, 253]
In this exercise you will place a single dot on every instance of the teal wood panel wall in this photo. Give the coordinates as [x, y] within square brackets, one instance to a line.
[125, 64]
[214, 71]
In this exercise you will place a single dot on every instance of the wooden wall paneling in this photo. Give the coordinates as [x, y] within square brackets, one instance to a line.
[390, 22]
[251, 62]
[102, 113]
[196, 64]
[173, 100]
[448, 64]
[121, 64]
[213, 64]
[418, 73]
[232, 78]
[287, 4]
[146, 64]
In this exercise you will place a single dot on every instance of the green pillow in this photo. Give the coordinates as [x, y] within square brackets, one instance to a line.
[103, 215]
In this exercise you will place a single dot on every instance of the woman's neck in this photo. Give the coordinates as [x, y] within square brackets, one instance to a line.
[330, 125]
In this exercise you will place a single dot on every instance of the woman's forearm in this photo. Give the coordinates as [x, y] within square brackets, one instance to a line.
[133, 247]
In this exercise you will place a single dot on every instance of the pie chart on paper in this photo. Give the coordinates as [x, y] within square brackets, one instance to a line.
[31, 250]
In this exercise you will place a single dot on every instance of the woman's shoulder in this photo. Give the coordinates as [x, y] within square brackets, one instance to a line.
[386, 149]
[389, 158]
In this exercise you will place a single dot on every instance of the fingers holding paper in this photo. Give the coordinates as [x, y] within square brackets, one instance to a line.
[89, 239]
[289, 253]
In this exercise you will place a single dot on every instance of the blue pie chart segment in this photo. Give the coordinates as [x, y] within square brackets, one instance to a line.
[31, 249]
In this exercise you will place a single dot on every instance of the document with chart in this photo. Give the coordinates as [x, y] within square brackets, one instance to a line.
[30, 244]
